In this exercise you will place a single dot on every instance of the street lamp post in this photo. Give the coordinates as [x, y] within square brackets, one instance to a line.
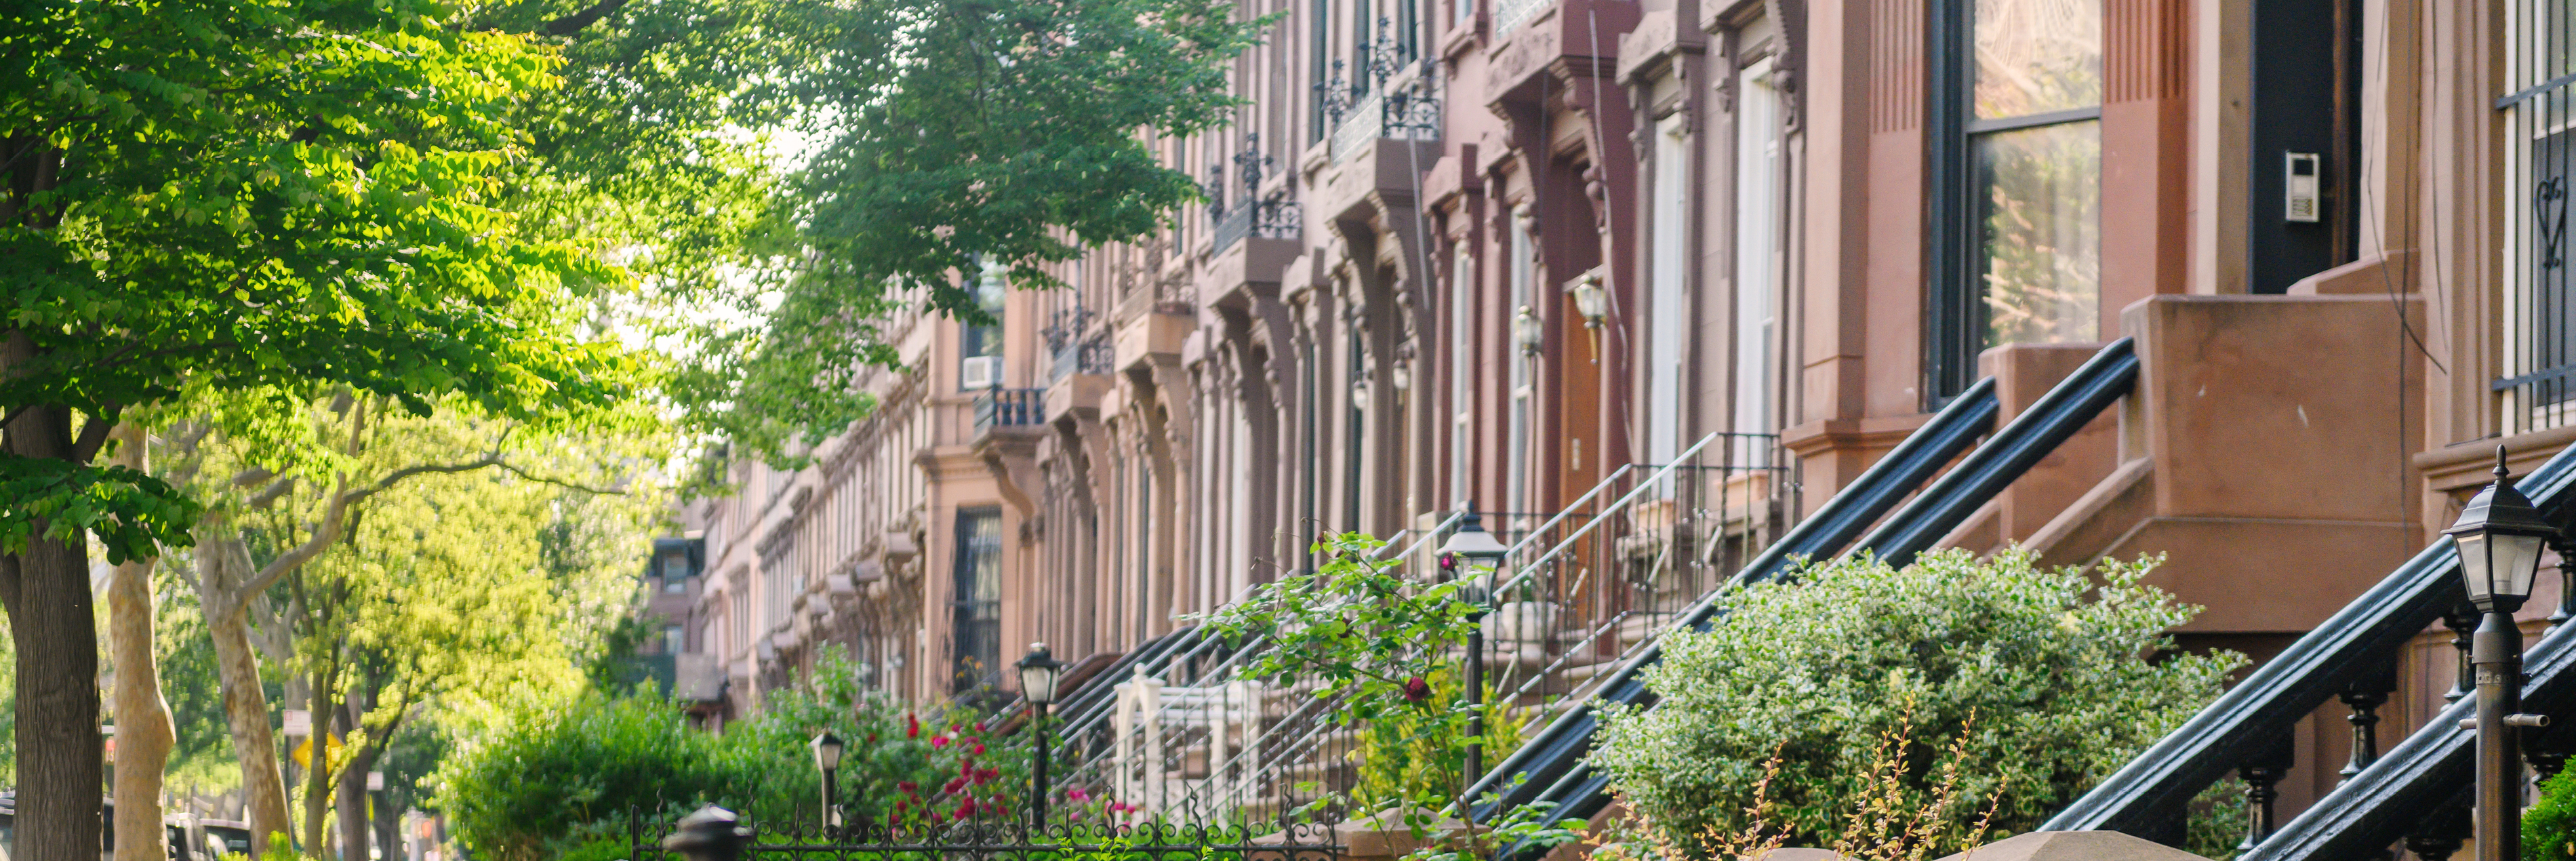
[2499, 535]
[1039, 672]
[1477, 547]
[827, 758]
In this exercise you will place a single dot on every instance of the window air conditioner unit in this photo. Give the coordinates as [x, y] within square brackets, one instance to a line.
[982, 372]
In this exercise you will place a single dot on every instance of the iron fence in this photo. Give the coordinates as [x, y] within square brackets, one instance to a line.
[715, 834]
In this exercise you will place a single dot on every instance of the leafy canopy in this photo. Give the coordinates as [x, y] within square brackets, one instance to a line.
[276, 194]
[787, 173]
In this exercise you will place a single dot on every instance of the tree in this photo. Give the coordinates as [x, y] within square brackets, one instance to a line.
[229, 196]
[934, 137]
[375, 588]
[144, 731]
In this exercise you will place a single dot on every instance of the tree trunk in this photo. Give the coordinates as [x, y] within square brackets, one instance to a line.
[353, 798]
[317, 767]
[388, 821]
[144, 735]
[222, 562]
[60, 774]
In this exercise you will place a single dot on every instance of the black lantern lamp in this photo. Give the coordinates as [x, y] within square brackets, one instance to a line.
[1478, 548]
[1039, 673]
[2499, 535]
[827, 758]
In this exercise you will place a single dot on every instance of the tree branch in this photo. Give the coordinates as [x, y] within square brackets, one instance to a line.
[515, 470]
[573, 23]
[93, 434]
[270, 493]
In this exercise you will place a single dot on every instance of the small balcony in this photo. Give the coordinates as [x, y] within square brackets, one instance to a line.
[1009, 408]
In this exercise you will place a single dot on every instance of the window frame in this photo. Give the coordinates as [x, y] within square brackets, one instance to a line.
[1955, 316]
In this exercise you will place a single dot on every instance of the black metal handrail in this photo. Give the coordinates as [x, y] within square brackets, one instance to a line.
[2395, 795]
[1551, 765]
[2147, 796]
[1556, 752]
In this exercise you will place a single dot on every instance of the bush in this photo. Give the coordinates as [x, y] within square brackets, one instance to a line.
[2549, 827]
[2047, 681]
[560, 780]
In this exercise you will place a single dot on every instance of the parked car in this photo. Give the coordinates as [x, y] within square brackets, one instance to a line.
[190, 839]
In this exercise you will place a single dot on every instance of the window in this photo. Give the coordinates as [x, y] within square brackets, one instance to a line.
[1757, 246]
[675, 640]
[977, 603]
[980, 347]
[1668, 309]
[2017, 149]
[2538, 382]
[1521, 266]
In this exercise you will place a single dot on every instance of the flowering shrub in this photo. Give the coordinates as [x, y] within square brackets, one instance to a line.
[2066, 676]
[558, 778]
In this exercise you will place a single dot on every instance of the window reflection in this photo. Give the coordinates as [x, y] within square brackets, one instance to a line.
[2039, 200]
[2037, 56]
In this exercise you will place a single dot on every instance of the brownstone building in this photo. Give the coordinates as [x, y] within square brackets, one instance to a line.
[1497, 250]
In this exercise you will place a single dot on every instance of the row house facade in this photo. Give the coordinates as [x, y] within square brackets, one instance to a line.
[1488, 252]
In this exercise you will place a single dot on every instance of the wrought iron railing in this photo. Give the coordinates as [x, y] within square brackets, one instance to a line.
[1550, 769]
[1009, 408]
[1069, 832]
[1397, 97]
[1273, 217]
[2348, 657]
[2537, 386]
[1251, 213]
[1175, 729]
[1090, 356]
[1585, 585]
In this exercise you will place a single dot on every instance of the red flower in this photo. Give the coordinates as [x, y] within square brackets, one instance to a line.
[966, 808]
[990, 773]
[965, 766]
[954, 785]
[979, 726]
[938, 741]
[911, 726]
[907, 786]
[979, 747]
[1417, 690]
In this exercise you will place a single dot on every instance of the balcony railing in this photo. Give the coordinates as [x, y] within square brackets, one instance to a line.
[1009, 408]
[1088, 357]
[1399, 97]
[1509, 15]
[1274, 217]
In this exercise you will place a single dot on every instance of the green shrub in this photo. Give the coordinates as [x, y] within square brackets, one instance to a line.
[559, 780]
[2048, 681]
[2549, 827]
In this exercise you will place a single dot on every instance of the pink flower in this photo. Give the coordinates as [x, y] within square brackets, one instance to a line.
[938, 741]
[1077, 794]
